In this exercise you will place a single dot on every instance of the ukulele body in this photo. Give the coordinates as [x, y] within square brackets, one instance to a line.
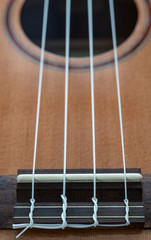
[18, 99]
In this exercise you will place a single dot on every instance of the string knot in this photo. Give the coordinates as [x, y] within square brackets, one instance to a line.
[32, 201]
[64, 210]
[95, 210]
[127, 212]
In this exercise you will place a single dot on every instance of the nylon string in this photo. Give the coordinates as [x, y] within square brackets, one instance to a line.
[67, 48]
[90, 26]
[114, 39]
[112, 15]
[43, 43]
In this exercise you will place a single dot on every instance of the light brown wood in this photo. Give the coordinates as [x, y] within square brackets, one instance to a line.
[18, 97]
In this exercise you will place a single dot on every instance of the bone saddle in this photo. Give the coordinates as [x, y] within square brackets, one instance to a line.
[79, 190]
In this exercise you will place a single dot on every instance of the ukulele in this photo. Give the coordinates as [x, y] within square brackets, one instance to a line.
[75, 130]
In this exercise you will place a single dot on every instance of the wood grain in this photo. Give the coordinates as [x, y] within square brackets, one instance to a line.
[18, 98]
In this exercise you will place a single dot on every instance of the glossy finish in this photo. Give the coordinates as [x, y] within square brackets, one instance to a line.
[18, 97]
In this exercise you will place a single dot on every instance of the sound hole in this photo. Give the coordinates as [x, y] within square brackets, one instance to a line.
[31, 20]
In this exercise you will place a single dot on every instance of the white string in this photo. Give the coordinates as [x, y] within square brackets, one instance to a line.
[43, 41]
[112, 16]
[63, 196]
[64, 210]
[90, 24]
[95, 210]
[67, 48]
[29, 225]
[44, 30]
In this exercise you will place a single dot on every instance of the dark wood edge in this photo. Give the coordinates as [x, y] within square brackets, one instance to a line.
[108, 213]
[59, 171]
[8, 199]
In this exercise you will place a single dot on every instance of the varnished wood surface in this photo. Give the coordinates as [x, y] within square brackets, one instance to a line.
[18, 96]
[79, 234]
